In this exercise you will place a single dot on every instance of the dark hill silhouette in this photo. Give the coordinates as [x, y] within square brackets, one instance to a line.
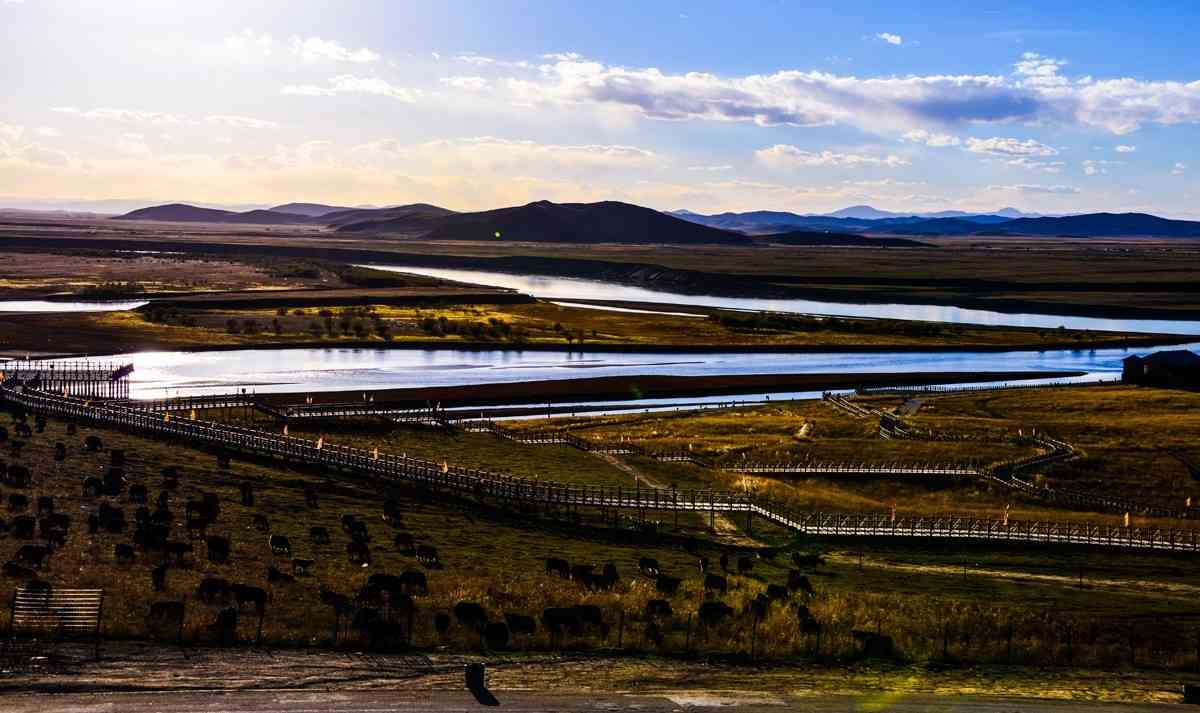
[178, 212]
[1104, 225]
[308, 210]
[603, 222]
[806, 238]
[412, 218]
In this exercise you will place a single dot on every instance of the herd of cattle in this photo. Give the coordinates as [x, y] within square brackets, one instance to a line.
[382, 612]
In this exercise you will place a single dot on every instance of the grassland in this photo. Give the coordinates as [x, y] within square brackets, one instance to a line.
[944, 601]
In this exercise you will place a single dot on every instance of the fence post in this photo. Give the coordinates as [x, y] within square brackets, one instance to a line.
[1008, 658]
[620, 627]
[946, 641]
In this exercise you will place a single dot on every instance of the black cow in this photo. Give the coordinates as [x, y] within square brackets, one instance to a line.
[807, 561]
[178, 550]
[280, 545]
[318, 535]
[667, 585]
[19, 476]
[158, 577]
[649, 566]
[471, 615]
[392, 512]
[358, 553]
[799, 582]
[165, 619]
[441, 623]
[123, 553]
[17, 571]
[302, 567]
[117, 457]
[23, 527]
[18, 503]
[138, 494]
[414, 581]
[225, 627]
[580, 572]
[724, 562]
[716, 583]
[60, 452]
[218, 549]
[92, 487]
[310, 498]
[114, 481]
[714, 613]
[213, 589]
[261, 523]
[745, 564]
[777, 592]
[656, 608]
[245, 594]
[405, 544]
[520, 624]
[247, 491]
[274, 576]
[496, 635]
[561, 567]
[427, 555]
[33, 555]
[45, 505]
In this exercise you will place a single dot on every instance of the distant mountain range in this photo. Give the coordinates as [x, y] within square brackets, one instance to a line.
[615, 222]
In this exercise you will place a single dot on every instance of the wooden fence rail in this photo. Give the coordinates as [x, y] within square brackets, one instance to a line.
[480, 483]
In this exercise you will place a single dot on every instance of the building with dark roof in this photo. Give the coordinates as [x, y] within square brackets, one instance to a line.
[1177, 368]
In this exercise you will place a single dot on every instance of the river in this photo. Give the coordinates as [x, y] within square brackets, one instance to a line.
[52, 306]
[557, 288]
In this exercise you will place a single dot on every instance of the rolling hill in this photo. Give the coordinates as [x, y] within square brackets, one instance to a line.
[308, 210]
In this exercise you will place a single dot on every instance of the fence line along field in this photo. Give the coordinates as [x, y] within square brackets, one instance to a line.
[274, 550]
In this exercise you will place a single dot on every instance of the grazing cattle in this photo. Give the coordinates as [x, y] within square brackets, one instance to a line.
[649, 566]
[716, 583]
[777, 592]
[15, 448]
[23, 430]
[280, 545]
[60, 452]
[414, 582]
[724, 562]
[33, 555]
[427, 555]
[392, 512]
[152, 537]
[19, 476]
[610, 573]
[340, 602]
[158, 577]
[111, 519]
[197, 526]
[178, 550]
[580, 572]
[17, 503]
[667, 585]
[114, 481]
[225, 627]
[16, 571]
[318, 535]
[714, 613]
[358, 553]
[348, 522]
[261, 523]
[471, 615]
[653, 634]
[441, 623]
[809, 625]
[162, 516]
[405, 544]
[496, 635]
[745, 564]
[92, 487]
[56, 521]
[560, 620]
[561, 567]
[310, 498]
[23, 527]
[55, 537]
[163, 501]
[807, 561]
[247, 491]
[218, 549]
[302, 567]
[142, 516]
[799, 582]
[138, 494]
[123, 553]
[656, 608]
[520, 624]
[244, 594]
[874, 645]
[165, 619]
[274, 576]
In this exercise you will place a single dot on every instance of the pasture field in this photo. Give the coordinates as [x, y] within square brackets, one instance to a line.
[934, 600]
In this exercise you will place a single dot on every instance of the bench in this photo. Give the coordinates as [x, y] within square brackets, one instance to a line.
[56, 615]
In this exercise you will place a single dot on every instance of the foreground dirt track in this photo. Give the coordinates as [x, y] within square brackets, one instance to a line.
[139, 678]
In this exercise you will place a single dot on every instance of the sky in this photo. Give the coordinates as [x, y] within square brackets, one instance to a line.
[1049, 107]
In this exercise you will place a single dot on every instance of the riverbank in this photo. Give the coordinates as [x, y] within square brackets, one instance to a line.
[617, 388]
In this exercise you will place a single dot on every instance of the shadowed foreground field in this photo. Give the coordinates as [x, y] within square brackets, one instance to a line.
[933, 601]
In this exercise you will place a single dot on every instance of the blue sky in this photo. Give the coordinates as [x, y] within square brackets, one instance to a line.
[1051, 107]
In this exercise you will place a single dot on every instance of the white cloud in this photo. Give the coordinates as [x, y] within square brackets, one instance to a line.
[1036, 189]
[563, 56]
[1179, 168]
[1098, 167]
[890, 38]
[159, 118]
[1036, 92]
[1032, 165]
[350, 84]
[48, 132]
[470, 84]
[248, 46]
[313, 49]
[931, 138]
[502, 155]
[475, 59]
[1125, 148]
[788, 156]
[1000, 146]
[711, 169]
